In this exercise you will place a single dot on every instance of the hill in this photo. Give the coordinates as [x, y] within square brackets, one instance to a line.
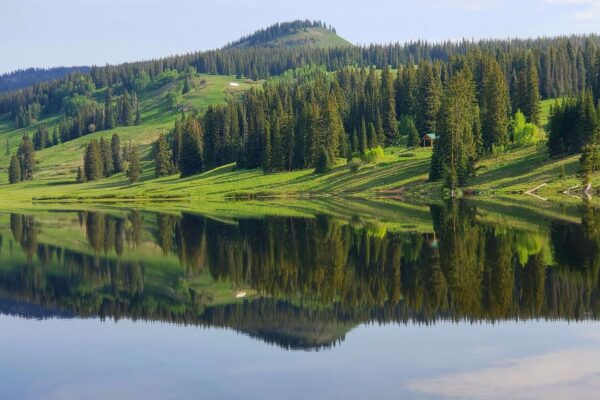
[26, 77]
[292, 34]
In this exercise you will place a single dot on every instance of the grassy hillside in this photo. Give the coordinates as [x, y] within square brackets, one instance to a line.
[306, 37]
[400, 173]
[58, 164]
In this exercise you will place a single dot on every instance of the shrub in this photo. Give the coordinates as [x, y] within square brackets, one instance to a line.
[372, 155]
[525, 133]
[354, 164]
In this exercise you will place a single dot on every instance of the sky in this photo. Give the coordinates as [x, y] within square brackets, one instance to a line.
[43, 33]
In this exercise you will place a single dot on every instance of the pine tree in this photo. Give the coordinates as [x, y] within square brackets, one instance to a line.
[109, 116]
[388, 107]
[429, 99]
[14, 170]
[138, 116]
[115, 149]
[107, 162]
[80, 175]
[455, 151]
[532, 98]
[190, 158]
[363, 137]
[135, 168]
[92, 161]
[26, 156]
[162, 165]
[495, 103]
[407, 127]
[323, 162]
[587, 126]
[55, 140]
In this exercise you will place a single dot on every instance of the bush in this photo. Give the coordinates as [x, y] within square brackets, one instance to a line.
[354, 164]
[372, 155]
[525, 133]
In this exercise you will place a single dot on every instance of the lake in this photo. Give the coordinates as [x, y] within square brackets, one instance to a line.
[448, 301]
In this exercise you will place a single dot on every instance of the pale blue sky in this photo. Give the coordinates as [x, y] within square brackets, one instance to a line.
[45, 33]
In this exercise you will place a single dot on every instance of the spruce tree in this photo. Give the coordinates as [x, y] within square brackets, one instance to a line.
[107, 162]
[364, 136]
[495, 103]
[14, 170]
[134, 171]
[80, 175]
[190, 158]
[532, 99]
[162, 165]
[388, 107]
[26, 156]
[93, 167]
[455, 151]
[115, 149]
[429, 99]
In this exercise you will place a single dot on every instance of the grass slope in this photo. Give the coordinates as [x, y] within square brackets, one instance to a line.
[59, 164]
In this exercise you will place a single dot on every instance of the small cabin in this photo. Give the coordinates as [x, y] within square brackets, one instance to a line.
[428, 140]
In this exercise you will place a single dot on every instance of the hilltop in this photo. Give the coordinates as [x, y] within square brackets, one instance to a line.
[292, 34]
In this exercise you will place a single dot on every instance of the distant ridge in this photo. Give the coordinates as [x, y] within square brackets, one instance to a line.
[27, 77]
[292, 34]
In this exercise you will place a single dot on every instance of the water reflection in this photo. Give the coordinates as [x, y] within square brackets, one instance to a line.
[300, 283]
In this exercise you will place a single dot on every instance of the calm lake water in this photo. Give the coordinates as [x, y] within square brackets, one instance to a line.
[442, 302]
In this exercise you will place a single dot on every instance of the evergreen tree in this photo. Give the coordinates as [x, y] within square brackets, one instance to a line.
[190, 158]
[92, 161]
[408, 128]
[162, 165]
[80, 175]
[388, 107]
[134, 171]
[323, 161]
[40, 138]
[363, 137]
[14, 170]
[589, 162]
[109, 116]
[587, 127]
[26, 156]
[494, 103]
[55, 139]
[115, 150]
[107, 162]
[138, 116]
[532, 100]
[430, 96]
[455, 151]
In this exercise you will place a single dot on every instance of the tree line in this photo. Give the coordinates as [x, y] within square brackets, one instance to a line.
[103, 159]
[565, 66]
[308, 118]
